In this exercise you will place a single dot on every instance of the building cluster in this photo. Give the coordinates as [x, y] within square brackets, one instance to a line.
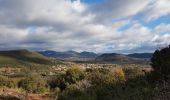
[84, 66]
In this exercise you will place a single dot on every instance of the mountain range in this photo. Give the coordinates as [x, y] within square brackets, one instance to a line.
[141, 55]
[94, 57]
[122, 58]
[25, 57]
[69, 55]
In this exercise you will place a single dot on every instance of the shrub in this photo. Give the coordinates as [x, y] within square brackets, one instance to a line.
[57, 81]
[71, 76]
[118, 74]
[77, 91]
[132, 72]
[5, 81]
[34, 84]
[162, 91]
[74, 74]
[56, 93]
[161, 62]
[98, 77]
[109, 84]
[104, 76]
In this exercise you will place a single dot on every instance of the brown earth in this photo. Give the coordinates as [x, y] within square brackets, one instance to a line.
[12, 94]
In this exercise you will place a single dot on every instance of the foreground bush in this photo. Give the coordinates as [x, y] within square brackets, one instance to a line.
[78, 91]
[162, 91]
[98, 83]
[74, 74]
[5, 81]
[104, 76]
[34, 84]
[57, 81]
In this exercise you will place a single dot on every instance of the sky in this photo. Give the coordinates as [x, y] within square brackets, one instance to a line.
[101, 26]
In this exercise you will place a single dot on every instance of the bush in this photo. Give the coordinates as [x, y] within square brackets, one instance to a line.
[57, 81]
[5, 81]
[55, 93]
[132, 72]
[106, 76]
[71, 76]
[98, 77]
[118, 74]
[161, 62]
[109, 84]
[78, 91]
[34, 84]
[74, 74]
[162, 91]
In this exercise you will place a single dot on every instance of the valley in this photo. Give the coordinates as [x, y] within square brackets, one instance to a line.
[18, 66]
[84, 49]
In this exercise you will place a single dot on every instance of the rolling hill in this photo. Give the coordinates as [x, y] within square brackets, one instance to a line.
[141, 55]
[119, 58]
[22, 57]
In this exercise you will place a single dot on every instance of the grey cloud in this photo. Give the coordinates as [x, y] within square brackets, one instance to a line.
[65, 25]
[118, 9]
[157, 9]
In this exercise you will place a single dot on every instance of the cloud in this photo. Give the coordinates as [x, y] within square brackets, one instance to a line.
[163, 28]
[119, 8]
[72, 25]
[156, 9]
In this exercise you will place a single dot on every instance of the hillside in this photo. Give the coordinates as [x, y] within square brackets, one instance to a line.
[141, 55]
[22, 57]
[118, 58]
[69, 55]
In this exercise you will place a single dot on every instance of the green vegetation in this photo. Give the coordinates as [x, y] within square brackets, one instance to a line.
[95, 82]
[108, 84]
[74, 74]
[33, 84]
[19, 63]
[22, 57]
[7, 82]
[77, 83]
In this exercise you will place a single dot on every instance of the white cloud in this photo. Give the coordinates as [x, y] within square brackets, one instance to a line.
[10, 34]
[119, 8]
[156, 9]
[163, 34]
[163, 28]
[65, 25]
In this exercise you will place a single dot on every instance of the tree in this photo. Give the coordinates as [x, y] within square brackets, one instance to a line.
[161, 62]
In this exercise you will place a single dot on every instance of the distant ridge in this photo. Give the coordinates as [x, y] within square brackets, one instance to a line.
[120, 58]
[111, 57]
[69, 55]
[90, 57]
[141, 55]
